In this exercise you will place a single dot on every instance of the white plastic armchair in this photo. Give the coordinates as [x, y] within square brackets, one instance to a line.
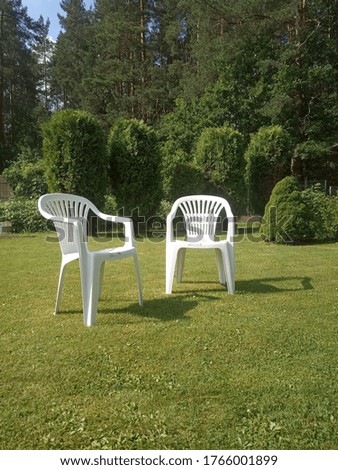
[70, 216]
[201, 214]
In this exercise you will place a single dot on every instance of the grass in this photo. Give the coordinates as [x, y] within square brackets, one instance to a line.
[195, 370]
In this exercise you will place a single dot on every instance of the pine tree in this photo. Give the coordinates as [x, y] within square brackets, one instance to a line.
[70, 63]
[18, 79]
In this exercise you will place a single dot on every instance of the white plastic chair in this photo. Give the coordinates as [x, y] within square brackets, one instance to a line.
[70, 216]
[200, 214]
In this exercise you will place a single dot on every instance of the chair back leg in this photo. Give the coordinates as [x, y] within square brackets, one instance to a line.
[180, 264]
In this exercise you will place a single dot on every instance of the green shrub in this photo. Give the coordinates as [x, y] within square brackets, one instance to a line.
[324, 213]
[267, 162]
[293, 215]
[219, 155]
[75, 155]
[26, 174]
[135, 167]
[23, 215]
[180, 176]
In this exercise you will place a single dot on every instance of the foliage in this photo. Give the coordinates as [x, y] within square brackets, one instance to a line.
[324, 213]
[71, 57]
[219, 155]
[18, 78]
[26, 174]
[23, 215]
[110, 205]
[287, 217]
[180, 176]
[195, 370]
[75, 155]
[293, 215]
[314, 161]
[135, 167]
[182, 66]
[267, 161]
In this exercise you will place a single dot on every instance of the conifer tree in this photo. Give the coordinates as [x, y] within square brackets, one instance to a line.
[71, 54]
[18, 79]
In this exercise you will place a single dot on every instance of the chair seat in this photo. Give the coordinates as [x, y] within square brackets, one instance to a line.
[119, 252]
[200, 244]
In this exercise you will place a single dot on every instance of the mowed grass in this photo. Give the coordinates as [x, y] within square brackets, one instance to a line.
[199, 369]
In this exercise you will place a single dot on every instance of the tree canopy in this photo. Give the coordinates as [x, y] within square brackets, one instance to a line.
[181, 66]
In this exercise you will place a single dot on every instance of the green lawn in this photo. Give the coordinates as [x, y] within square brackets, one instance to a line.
[195, 370]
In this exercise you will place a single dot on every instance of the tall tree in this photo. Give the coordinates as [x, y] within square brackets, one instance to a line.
[71, 54]
[121, 61]
[18, 80]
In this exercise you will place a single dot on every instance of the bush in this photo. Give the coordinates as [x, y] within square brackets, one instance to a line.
[293, 215]
[26, 174]
[219, 155]
[75, 155]
[267, 162]
[135, 167]
[324, 211]
[23, 215]
[180, 176]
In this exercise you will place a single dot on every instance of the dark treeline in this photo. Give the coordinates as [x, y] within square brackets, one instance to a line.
[180, 66]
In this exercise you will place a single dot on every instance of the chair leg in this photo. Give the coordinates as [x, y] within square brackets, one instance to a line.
[171, 255]
[90, 283]
[220, 266]
[60, 287]
[139, 282]
[101, 279]
[229, 269]
[180, 264]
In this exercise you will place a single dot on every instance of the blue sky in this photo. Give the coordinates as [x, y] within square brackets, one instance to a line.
[48, 9]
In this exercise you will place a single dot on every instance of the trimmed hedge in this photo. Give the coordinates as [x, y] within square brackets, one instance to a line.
[220, 157]
[267, 162]
[135, 168]
[180, 176]
[75, 155]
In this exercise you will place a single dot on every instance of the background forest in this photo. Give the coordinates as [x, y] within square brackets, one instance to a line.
[225, 97]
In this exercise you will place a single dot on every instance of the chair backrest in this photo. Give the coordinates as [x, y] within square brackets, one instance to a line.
[58, 206]
[201, 214]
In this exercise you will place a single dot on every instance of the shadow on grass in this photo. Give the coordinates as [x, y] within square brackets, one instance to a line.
[166, 309]
[176, 307]
[270, 285]
[257, 286]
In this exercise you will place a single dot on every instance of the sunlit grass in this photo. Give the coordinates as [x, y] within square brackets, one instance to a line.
[195, 370]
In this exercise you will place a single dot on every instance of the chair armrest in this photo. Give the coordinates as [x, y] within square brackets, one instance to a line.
[126, 221]
[169, 225]
[231, 229]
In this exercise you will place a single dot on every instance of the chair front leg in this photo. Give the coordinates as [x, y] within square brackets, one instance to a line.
[60, 287]
[229, 269]
[171, 255]
[90, 283]
[138, 277]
